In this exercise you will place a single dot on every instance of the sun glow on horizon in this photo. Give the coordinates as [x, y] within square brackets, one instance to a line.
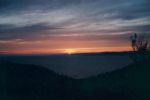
[70, 51]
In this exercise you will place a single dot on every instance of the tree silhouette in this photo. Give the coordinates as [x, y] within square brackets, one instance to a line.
[140, 47]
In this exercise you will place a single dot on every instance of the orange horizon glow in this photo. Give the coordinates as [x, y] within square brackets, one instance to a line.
[70, 50]
[61, 46]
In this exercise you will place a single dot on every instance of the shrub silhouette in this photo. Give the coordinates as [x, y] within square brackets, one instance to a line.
[140, 48]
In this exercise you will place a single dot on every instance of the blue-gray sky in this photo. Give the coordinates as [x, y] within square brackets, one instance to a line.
[79, 25]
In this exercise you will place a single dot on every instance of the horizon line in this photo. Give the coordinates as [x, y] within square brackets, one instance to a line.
[67, 53]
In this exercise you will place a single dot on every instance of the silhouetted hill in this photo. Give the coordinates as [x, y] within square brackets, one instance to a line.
[129, 83]
[30, 82]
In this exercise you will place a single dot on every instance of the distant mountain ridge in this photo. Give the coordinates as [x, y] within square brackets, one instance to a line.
[96, 53]
[31, 82]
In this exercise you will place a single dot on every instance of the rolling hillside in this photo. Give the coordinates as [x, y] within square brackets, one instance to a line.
[129, 83]
[30, 82]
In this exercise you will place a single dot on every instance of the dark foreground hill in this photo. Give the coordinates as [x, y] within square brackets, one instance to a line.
[129, 83]
[30, 82]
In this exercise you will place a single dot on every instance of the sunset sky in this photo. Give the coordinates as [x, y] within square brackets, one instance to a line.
[71, 26]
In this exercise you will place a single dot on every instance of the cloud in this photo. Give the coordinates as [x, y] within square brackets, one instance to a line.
[8, 7]
[8, 31]
[6, 28]
[82, 19]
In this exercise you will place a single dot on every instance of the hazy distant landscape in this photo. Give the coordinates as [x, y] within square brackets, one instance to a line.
[76, 65]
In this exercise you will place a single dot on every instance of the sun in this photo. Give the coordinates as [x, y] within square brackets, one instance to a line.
[70, 51]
